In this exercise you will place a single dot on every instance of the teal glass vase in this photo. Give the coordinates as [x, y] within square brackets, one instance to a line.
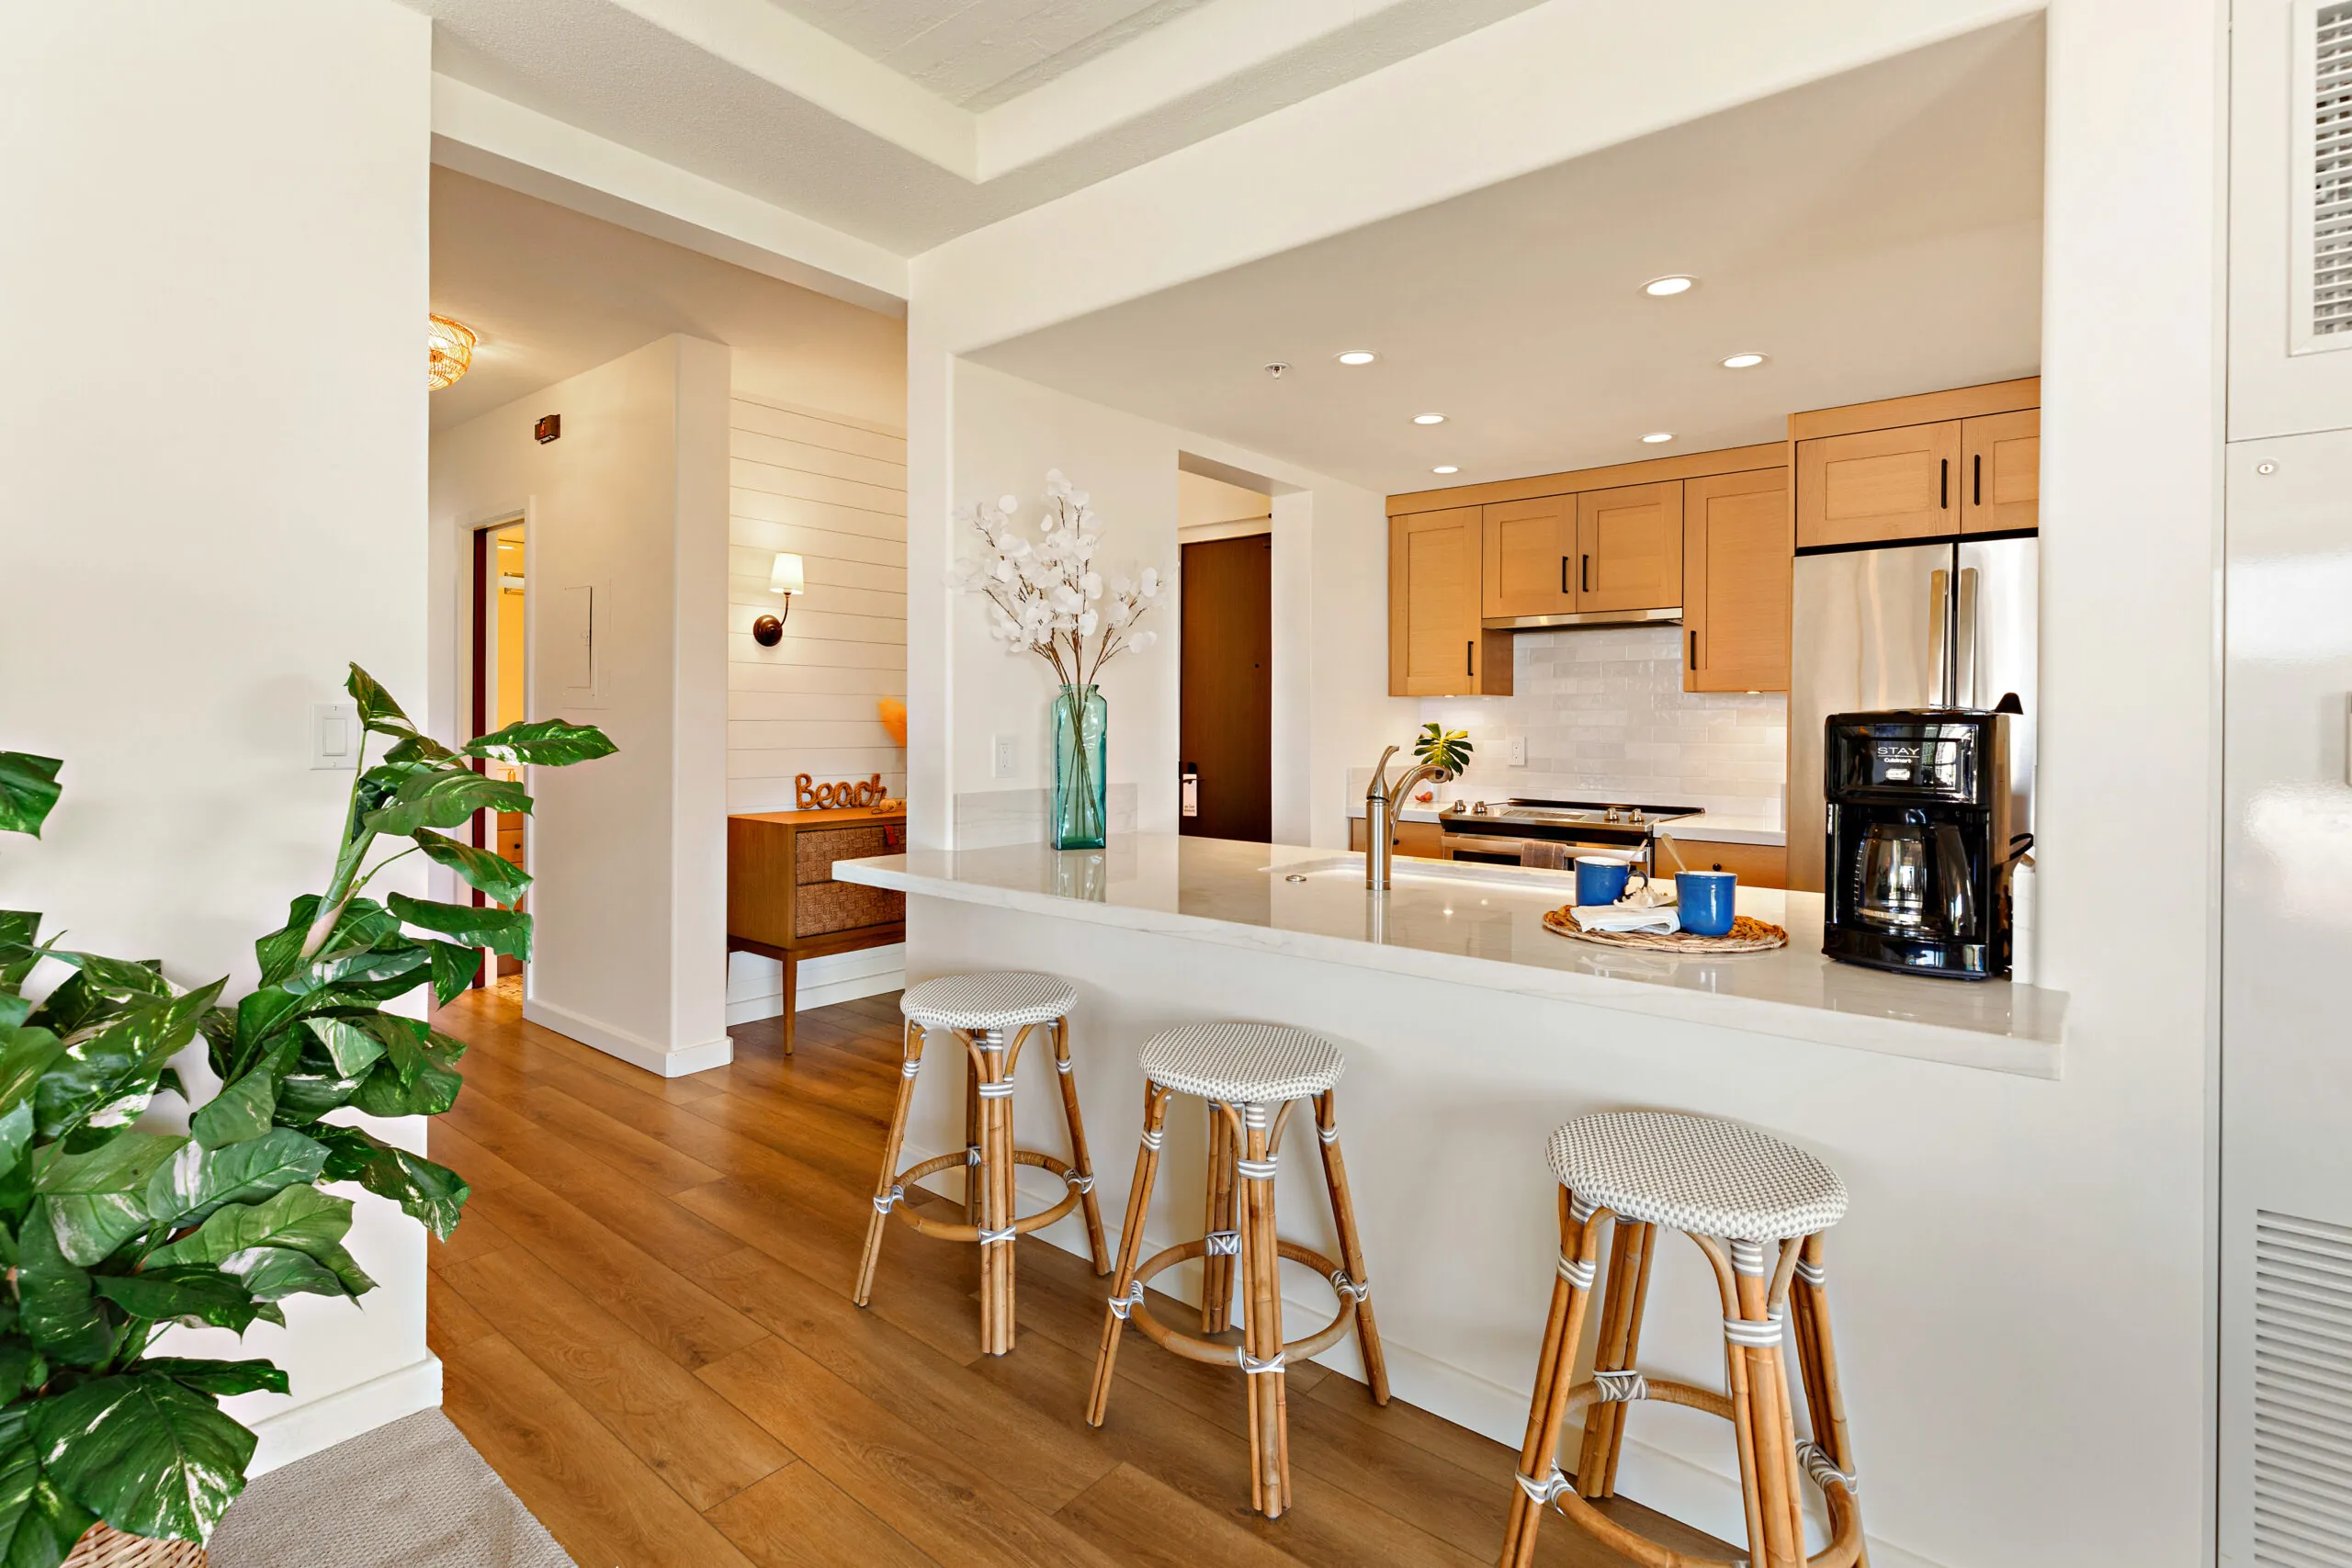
[1082, 791]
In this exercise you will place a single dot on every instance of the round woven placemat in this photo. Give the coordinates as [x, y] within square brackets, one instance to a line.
[1746, 935]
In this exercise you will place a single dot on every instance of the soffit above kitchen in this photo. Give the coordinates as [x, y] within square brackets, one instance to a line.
[907, 122]
[1875, 233]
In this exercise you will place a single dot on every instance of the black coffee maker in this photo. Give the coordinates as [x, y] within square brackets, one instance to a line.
[1921, 845]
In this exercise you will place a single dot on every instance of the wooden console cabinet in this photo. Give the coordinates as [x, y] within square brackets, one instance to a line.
[782, 902]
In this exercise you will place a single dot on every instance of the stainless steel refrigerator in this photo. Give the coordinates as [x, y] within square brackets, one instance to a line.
[1947, 624]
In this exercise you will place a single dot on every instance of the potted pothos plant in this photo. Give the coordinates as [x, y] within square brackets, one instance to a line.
[112, 1232]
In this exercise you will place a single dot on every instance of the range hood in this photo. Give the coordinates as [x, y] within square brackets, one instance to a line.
[1585, 618]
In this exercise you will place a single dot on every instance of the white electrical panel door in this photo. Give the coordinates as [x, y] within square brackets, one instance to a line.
[2286, 1395]
[2290, 217]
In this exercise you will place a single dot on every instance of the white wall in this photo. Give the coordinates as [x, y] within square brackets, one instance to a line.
[629, 853]
[212, 451]
[832, 488]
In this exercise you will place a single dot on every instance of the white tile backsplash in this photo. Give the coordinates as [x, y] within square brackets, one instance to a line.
[1605, 716]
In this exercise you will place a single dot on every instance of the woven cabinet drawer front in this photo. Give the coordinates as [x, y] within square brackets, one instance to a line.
[816, 849]
[821, 907]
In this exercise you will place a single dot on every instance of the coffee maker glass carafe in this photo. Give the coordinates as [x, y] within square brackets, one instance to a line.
[1895, 891]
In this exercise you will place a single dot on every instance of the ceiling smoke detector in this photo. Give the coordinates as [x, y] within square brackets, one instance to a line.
[1277, 369]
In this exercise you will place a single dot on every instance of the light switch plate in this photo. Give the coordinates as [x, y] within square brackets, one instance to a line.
[1516, 750]
[1003, 756]
[335, 735]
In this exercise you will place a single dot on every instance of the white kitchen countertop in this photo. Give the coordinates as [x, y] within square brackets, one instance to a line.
[1702, 829]
[1481, 925]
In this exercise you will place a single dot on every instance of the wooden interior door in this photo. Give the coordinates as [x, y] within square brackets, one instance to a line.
[1529, 547]
[1226, 705]
[2002, 465]
[1434, 635]
[1879, 484]
[1629, 547]
[1738, 558]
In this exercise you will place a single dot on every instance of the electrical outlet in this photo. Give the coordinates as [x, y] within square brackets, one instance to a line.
[1515, 749]
[1002, 756]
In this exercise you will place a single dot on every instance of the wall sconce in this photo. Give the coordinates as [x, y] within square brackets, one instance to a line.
[788, 577]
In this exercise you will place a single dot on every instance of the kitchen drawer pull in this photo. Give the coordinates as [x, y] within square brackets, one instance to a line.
[1694, 649]
[1977, 480]
[1943, 484]
[1470, 657]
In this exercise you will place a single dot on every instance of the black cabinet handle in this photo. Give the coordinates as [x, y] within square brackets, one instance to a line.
[1470, 657]
[1564, 574]
[1978, 480]
[1584, 575]
[1694, 650]
[1943, 485]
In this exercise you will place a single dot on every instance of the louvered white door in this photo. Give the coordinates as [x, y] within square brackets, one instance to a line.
[2290, 217]
[2286, 1395]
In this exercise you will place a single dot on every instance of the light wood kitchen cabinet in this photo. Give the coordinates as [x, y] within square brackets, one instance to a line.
[1738, 562]
[1424, 841]
[1879, 484]
[1629, 547]
[1437, 647]
[2001, 460]
[1529, 548]
[1755, 865]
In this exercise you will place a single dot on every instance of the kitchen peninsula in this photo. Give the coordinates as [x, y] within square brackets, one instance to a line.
[1470, 1032]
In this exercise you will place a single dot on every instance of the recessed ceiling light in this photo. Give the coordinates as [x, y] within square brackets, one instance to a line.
[1655, 436]
[1357, 356]
[1429, 419]
[1447, 469]
[1674, 283]
[1743, 361]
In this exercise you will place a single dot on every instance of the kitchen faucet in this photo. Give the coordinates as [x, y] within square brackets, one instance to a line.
[1382, 805]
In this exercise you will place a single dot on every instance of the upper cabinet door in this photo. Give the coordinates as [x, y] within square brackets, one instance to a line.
[2003, 471]
[1879, 484]
[1529, 548]
[1629, 548]
[1436, 646]
[1737, 559]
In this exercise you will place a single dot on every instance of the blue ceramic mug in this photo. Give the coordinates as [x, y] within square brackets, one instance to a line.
[1704, 900]
[1600, 881]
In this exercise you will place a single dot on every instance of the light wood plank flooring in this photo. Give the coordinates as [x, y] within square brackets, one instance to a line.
[646, 1323]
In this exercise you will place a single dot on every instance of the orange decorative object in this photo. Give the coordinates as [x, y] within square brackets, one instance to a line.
[893, 719]
[809, 795]
[451, 347]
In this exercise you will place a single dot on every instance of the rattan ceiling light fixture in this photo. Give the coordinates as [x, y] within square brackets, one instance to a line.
[452, 343]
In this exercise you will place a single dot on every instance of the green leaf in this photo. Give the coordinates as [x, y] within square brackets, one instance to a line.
[306, 1094]
[218, 1377]
[27, 789]
[16, 1133]
[273, 1273]
[25, 1054]
[546, 742]
[507, 930]
[54, 1296]
[240, 1112]
[100, 1073]
[432, 1091]
[200, 1180]
[97, 1201]
[198, 1293]
[352, 1049]
[431, 1192]
[377, 710]
[39, 1524]
[21, 1367]
[300, 1217]
[495, 874]
[150, 1457]
[454, 969]
[444, 800]
[422, 749]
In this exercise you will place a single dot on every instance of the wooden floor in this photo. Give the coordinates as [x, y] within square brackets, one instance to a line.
[646, 1323]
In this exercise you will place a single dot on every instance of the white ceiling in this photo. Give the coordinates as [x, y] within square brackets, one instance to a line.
[907, 122]
[1877, 234]
[980, 53]
[553, 292]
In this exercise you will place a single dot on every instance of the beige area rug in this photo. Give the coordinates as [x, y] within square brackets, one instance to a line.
[409, 1494]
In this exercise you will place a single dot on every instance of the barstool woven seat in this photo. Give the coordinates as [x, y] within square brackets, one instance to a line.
[1696, 1174]
[978, 1010]
[1253, 1076]
[1235, 1063]
[1757, 1208]
[1005, 1000]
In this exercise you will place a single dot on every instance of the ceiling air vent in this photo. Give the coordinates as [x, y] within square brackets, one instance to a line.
[2322, 247]
[2303, 1390]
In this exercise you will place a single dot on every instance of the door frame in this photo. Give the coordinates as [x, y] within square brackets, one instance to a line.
[480, 674]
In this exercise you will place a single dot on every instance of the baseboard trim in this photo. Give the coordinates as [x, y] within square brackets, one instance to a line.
[308, 1428]
[810, 994]
[629, 1048]
[1655, 1477]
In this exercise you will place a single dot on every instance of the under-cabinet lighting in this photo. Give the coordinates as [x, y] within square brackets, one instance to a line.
[1655, 436]
[1357, 356]
[1447, 469]
[1744, 361]
[1429, 419]
[1673, 283]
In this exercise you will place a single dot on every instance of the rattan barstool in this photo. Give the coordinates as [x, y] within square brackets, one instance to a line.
[979, 1009]
[1757, 1208]
[1253, 1076]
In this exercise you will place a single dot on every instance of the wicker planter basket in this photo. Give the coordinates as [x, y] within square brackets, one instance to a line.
[107, 1547]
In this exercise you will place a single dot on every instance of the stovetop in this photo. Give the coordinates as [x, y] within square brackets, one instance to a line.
[1527, 811]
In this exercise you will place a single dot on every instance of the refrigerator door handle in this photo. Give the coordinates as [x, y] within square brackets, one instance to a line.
[1939, 638]
[1965, 694]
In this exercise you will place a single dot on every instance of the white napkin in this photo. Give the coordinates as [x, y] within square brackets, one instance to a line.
[1619, 918]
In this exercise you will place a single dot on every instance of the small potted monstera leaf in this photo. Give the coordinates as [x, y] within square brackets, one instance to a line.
[115, 1231]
